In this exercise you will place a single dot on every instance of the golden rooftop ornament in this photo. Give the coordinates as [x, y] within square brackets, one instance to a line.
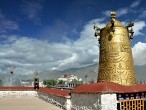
[115, 60]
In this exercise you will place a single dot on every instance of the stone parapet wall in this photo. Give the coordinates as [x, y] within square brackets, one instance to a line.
[62, 102]
[17, 93]
[64, 99]
[60, 98]
[77, 101]
[84, 101]
[93, 101]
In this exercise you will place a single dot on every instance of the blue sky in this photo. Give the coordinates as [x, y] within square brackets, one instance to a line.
[61, 17]
[42, 35]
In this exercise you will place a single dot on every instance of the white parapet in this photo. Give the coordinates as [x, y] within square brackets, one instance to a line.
[68, 103]
[17, 93]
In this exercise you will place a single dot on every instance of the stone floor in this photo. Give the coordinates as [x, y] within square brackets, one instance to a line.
[25, 103]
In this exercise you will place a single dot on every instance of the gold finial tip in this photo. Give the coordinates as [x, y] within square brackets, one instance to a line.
[113, 14]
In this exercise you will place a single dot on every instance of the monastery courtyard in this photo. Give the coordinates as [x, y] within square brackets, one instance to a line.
[25, 103]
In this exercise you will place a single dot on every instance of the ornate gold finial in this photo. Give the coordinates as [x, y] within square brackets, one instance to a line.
[97, 31]
[115, 59]
[113, 14]
[130, 29]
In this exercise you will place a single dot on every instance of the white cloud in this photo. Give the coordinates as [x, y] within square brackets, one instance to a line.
[29, 54]
[32, 10]
[7, 24]
[107, 12]
[120, 12]
[135, 3]
[58, 32]
[143, 14]
[139, 53]
[138, 26]
[69, 61]
[124, 10]
[85, 49]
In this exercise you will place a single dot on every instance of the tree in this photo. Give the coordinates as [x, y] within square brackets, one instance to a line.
[61, 82]
[1, 83]
[50, 82]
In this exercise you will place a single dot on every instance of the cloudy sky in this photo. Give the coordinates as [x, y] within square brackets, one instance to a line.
[43, 35]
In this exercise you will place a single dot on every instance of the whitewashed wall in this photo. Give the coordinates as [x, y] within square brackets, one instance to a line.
[94, 101]
[62, 102]
[108, 102]
[17, 93]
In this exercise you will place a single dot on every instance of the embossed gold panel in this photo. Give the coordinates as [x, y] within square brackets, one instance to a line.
[115, 60]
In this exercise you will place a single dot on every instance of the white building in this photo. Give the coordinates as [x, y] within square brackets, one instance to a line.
[30, 83]
[69, 78]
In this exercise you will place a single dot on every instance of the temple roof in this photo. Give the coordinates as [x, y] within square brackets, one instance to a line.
[101, 87]
[108, 87]
[57, 92]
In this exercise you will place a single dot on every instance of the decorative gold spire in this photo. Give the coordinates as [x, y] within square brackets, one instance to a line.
[113, 15]
[115, 60]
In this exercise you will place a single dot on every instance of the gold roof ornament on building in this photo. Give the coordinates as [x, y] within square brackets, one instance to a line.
[115, 58]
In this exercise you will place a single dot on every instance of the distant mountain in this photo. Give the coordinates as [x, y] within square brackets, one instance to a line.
[54, 74]
[141, 72]
[91, 71]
